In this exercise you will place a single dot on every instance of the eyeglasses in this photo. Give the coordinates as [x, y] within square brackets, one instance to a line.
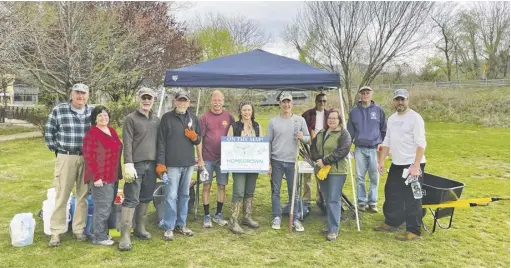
[146, 97]
[323, 101]
[333, 118]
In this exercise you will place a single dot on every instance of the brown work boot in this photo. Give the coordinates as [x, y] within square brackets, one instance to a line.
[233, 222]
[54, 240]
[80, 236]
[385, 228]
[408, 236]
[247, 214]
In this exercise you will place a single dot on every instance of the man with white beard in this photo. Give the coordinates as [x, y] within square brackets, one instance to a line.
[178, 133]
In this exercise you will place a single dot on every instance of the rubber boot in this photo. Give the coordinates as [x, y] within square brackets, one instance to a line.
[140, 219]
[247, 214]
[126, 219]
[233, 222]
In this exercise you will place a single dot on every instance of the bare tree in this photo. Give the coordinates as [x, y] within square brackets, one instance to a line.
[444, 21]
[363, 36]
[492, 19]
[245, 32]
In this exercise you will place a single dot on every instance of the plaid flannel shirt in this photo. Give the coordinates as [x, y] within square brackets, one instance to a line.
[310, 119]
[64, 130]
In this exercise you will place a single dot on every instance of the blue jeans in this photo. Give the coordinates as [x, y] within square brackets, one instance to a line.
[278, 169]
[366, 162]
[177, 191]
[331, 189]
[221, 178]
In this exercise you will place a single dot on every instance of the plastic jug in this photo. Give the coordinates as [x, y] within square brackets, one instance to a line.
[22, 230]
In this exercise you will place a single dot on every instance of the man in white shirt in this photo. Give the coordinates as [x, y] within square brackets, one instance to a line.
[315, 119]
[407, 140]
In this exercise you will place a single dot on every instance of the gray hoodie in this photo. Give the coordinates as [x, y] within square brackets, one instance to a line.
[367, 126]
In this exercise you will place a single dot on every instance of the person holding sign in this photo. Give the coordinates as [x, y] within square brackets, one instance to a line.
[214, 124]
[330, 148]
[244, 184]
[284, 131]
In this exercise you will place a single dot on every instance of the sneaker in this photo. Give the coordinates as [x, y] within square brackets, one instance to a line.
[54, 241]
[373, 209]
[275, 225]
[408, 236]
[206, 222]
[219, 218]
[107, 242]
[298, 226]
[80, 237]
[385, 228]
[183, 230]
[331, 236]
[168, 235]
[362, 208]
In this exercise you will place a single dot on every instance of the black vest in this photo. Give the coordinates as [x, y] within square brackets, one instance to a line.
[238, 126]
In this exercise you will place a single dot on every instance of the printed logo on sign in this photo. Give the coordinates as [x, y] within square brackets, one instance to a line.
[174, 77]
[373, 115]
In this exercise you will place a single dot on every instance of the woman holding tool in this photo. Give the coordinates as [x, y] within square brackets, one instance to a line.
[329, 149]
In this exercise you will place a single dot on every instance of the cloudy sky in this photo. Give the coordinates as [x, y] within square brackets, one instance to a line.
[272, 17]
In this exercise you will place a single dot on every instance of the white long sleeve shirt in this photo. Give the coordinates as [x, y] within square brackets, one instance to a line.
[404, 134]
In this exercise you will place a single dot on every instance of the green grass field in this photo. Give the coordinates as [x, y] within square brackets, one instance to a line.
[9, 129]
[474, 155]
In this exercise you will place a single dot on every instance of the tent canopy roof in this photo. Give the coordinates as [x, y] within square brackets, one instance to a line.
[255, 69]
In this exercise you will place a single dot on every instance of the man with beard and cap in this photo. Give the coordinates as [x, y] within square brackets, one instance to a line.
[178, 133]
[140, 132]
[406, 137]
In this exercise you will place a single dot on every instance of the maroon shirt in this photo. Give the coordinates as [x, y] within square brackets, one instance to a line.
[213, 127]
[101, 154]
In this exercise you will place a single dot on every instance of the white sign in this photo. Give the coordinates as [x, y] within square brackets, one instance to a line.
[245, 154]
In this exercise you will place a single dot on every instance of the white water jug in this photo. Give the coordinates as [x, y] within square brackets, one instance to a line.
[22, 229]
[49, 207]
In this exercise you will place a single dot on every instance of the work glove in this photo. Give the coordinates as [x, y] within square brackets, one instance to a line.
[323, 172]
[130, 173]
[191, 134]
[160, 169]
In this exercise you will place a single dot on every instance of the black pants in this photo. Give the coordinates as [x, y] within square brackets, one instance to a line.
[142, 189]
[400, 206]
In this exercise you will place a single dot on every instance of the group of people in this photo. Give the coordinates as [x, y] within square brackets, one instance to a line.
[88, 152]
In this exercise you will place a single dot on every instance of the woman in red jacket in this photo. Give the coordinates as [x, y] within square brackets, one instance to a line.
[101, 152]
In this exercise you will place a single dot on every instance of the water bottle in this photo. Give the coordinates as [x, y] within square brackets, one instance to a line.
[165, 178]
[416, 188]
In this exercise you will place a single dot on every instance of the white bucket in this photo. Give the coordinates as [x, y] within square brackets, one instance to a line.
[51, 194]
[48, 208]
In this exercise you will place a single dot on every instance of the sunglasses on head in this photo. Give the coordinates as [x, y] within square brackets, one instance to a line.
[146, 97]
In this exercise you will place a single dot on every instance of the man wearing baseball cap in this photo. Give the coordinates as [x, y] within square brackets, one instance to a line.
[139, 135]
[284, 131]
[64, 132]
[179, 132]
[407, 139]
[367, 126]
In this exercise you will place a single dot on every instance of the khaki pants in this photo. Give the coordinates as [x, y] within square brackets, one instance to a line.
[68, 171]
[307, 188]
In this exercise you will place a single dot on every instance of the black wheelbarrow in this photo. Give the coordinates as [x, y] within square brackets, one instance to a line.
[441, 196]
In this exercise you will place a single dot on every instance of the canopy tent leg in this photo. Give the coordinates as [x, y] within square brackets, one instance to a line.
[349, 160]
[162, 96]
[198, 103]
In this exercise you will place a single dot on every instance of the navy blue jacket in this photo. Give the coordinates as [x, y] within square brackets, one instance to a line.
[367, 126]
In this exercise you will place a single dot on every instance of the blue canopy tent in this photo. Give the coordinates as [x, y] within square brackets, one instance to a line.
[256, 69]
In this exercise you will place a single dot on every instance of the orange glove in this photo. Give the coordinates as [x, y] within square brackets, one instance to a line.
[160, 169]
[191, 134]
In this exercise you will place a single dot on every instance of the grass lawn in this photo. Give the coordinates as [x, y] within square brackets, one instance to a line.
[9, 129]
[476, 156]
